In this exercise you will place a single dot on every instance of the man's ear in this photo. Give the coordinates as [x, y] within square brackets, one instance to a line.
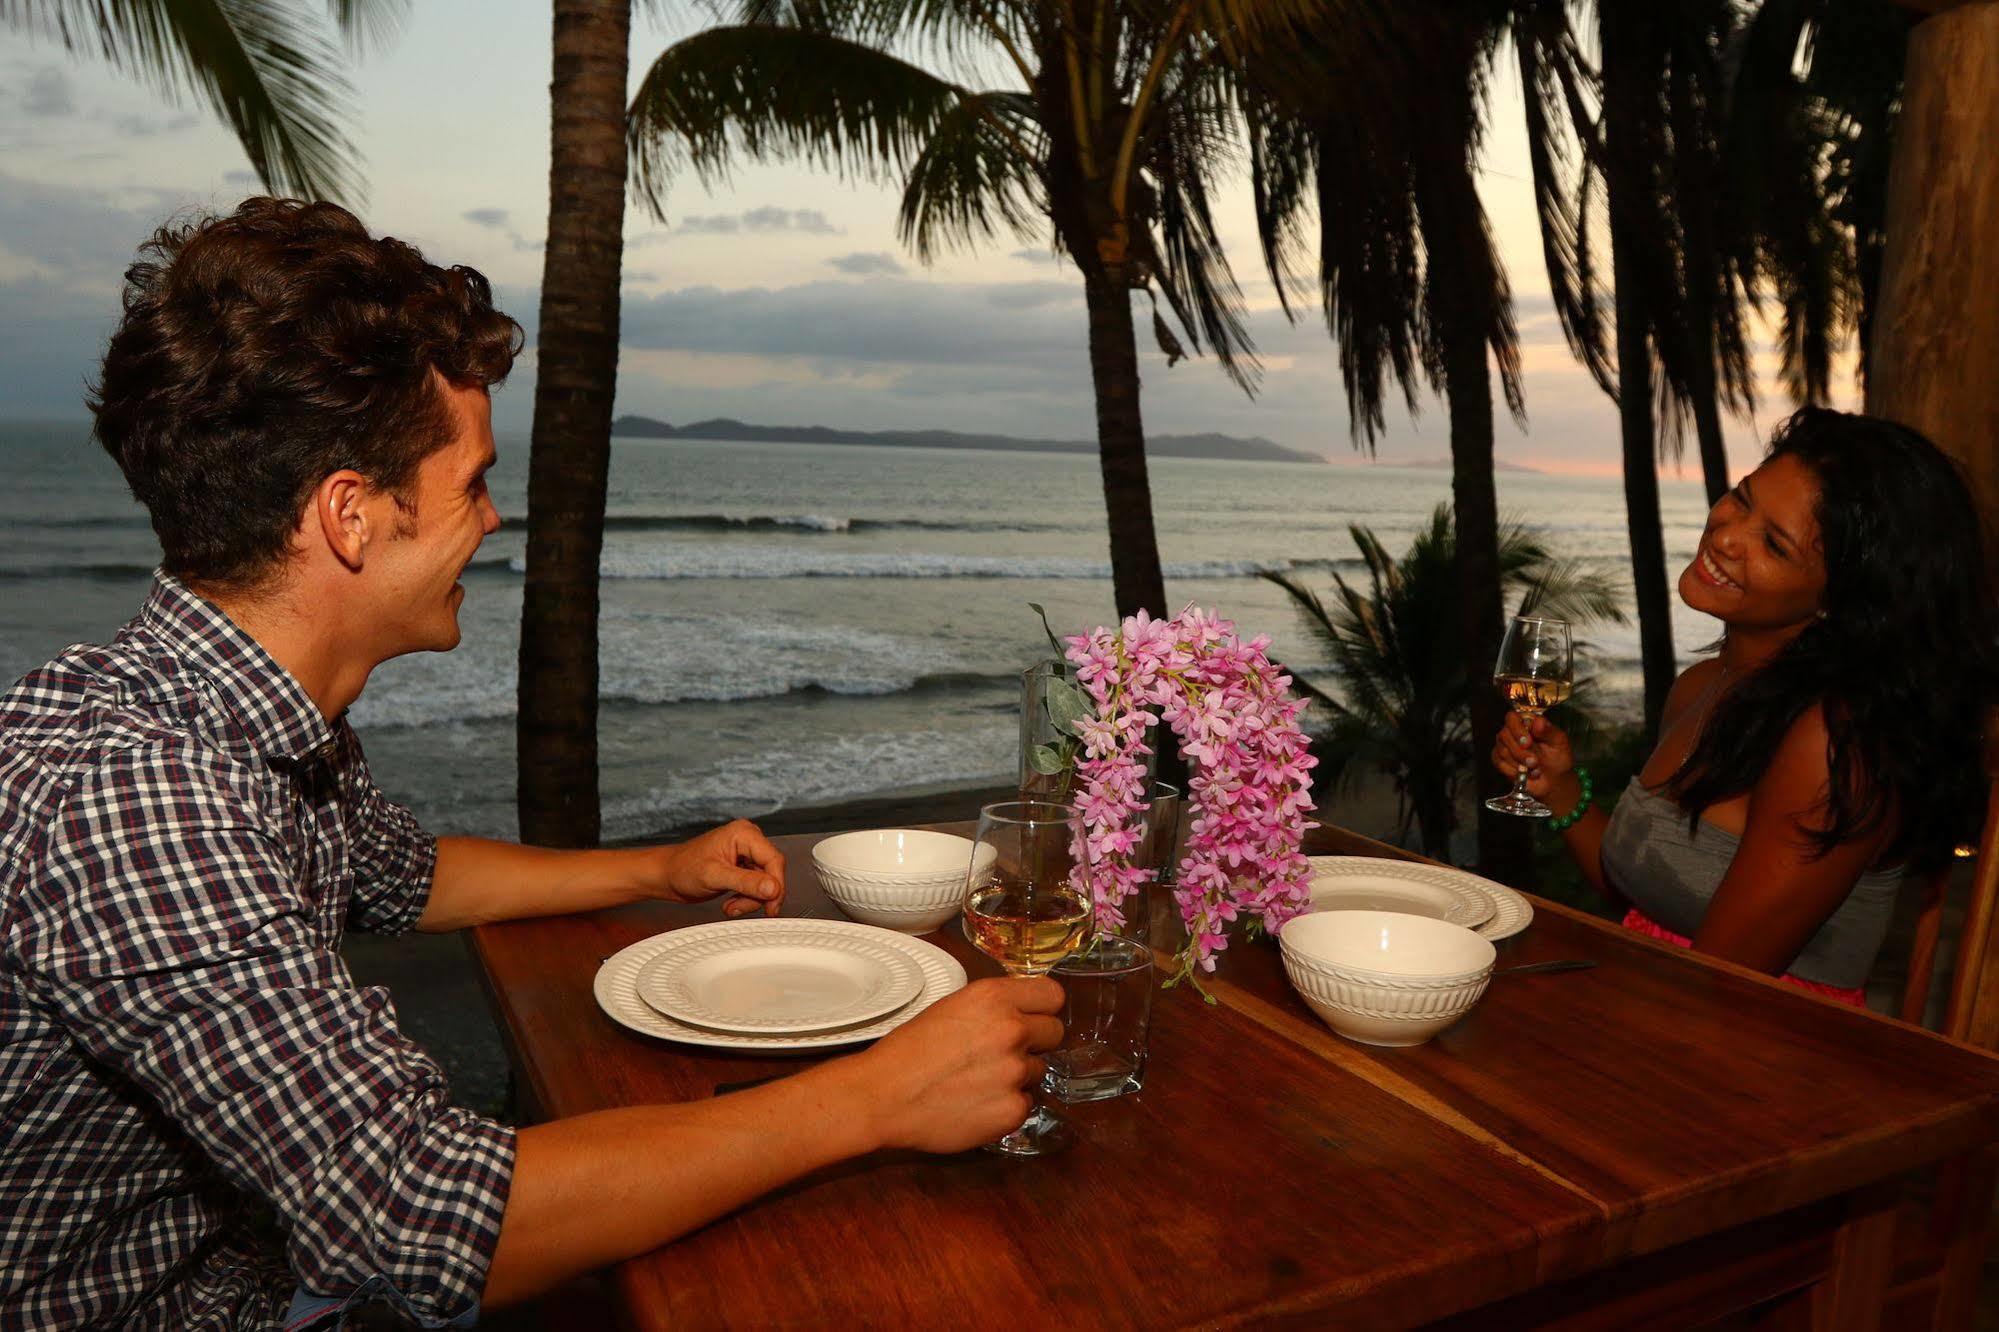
[340, 516]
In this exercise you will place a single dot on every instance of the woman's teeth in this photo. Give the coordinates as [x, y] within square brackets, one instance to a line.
[1714, 572]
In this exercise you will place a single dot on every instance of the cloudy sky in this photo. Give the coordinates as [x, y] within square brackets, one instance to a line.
[781, 297]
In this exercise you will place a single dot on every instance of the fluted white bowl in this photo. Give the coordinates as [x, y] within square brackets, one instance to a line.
[1385, 978]
[906, 879]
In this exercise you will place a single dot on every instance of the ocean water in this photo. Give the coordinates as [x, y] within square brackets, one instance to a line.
[791, 624]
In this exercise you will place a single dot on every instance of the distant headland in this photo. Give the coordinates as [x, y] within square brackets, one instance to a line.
[1498, 465]
[1230, 447]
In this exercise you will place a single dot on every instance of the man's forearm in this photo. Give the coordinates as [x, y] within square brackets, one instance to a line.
[480, 881]
[595, 1189]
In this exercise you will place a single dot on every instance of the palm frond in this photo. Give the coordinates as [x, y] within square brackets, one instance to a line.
[1280, 179]
[767, 92]
[1246, 29]
[1370, 282]
[265, 69]
[1545, 48]
[1194, 273]
[369, 25]
[961, 31]
[977, 174]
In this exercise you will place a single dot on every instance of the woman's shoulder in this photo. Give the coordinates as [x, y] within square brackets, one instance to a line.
[1695, 683]
[1805, 751]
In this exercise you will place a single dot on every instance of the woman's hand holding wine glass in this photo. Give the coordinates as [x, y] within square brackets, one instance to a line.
[1535, 671]
[1540, 749]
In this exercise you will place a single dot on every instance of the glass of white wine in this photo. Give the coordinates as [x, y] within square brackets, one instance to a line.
[1028, 907]
[1535, 671]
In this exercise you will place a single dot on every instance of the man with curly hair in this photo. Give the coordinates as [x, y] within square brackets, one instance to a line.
[203, 1121]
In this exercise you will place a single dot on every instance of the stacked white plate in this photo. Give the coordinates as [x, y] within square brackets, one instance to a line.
[1369, 883]
[774, 985]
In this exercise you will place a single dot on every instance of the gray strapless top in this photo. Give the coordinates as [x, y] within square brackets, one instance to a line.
[1650, 858]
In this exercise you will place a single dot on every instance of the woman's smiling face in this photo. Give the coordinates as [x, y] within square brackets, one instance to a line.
[1760, 564]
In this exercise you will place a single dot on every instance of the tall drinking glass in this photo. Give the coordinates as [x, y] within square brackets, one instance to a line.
[1028, 908]
[1535, 671]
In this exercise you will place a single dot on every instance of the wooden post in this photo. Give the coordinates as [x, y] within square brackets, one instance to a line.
[1935, 356]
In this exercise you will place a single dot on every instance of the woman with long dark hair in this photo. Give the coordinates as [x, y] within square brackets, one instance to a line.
[1830, 743]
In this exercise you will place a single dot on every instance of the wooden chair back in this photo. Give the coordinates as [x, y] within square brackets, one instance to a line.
[1972, 1013]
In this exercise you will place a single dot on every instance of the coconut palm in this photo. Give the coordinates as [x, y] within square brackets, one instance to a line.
[1412, 284]
[1404, 686]
[266, 69]
[1806, 153]
[1730, 171]
[1635, 44]
[1105, 121]
[576, 377]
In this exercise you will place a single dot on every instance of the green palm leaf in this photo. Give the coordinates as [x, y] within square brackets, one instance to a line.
[370, 25]
[261, 66]
[781, 92]
[970, 181]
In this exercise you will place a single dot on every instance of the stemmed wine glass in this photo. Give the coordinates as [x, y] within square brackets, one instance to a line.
[1535, 671]
[1027, 908]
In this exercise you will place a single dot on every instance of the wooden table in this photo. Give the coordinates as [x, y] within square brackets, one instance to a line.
[1664, 1137]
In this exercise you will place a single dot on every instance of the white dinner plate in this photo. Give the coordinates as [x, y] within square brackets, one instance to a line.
[776, 976]
[1502, 914]
[1357, 887]
[616, 989]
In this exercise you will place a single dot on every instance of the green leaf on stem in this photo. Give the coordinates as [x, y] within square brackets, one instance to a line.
[1045, 760]
[1046, 628]
[1068, 706]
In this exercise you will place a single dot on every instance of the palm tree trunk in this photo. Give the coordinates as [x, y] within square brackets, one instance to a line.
[1707, 403]
[1625, 40]
[1136, 579]
[1504, 849]
[1433, 813]
[1641, 485]
[1466, 298]
[575, 381]
[1707, 425]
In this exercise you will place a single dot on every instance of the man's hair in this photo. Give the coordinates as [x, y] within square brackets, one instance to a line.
[260, 352]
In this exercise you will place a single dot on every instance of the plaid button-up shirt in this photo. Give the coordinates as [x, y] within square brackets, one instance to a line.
[204, 1122]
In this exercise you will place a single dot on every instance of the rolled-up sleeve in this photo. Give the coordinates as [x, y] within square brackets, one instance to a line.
[180, 950]
[393, 858]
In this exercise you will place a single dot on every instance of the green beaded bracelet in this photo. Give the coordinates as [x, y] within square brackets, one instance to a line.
[1574, 816]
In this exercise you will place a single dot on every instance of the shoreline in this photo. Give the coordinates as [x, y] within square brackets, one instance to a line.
[1368, 808]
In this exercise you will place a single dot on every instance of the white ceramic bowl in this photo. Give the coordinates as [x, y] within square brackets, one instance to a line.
[1384, 978]
[906, 879]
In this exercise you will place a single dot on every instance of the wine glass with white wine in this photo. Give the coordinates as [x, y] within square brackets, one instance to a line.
[1535, 670]
[1027, 908]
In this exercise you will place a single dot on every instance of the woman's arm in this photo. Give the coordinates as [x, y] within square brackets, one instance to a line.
[1551, 779]
[1551, 775]
[1583, 839]
[1777, 893]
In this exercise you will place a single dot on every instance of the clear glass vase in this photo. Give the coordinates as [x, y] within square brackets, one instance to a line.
[1050, 702]
[1047, 751]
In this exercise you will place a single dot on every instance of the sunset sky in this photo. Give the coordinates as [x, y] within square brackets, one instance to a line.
[782, 297]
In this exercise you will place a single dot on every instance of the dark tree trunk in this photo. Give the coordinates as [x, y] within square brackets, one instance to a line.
[1505, 849]
[1707, 425]
[1137, 582]
[1641, 485]
[1703, 373]
[1465, 298]
[575, 381]
[1623, 39]
[1433, 815]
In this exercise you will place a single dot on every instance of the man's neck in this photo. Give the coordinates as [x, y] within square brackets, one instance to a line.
[311, 647]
